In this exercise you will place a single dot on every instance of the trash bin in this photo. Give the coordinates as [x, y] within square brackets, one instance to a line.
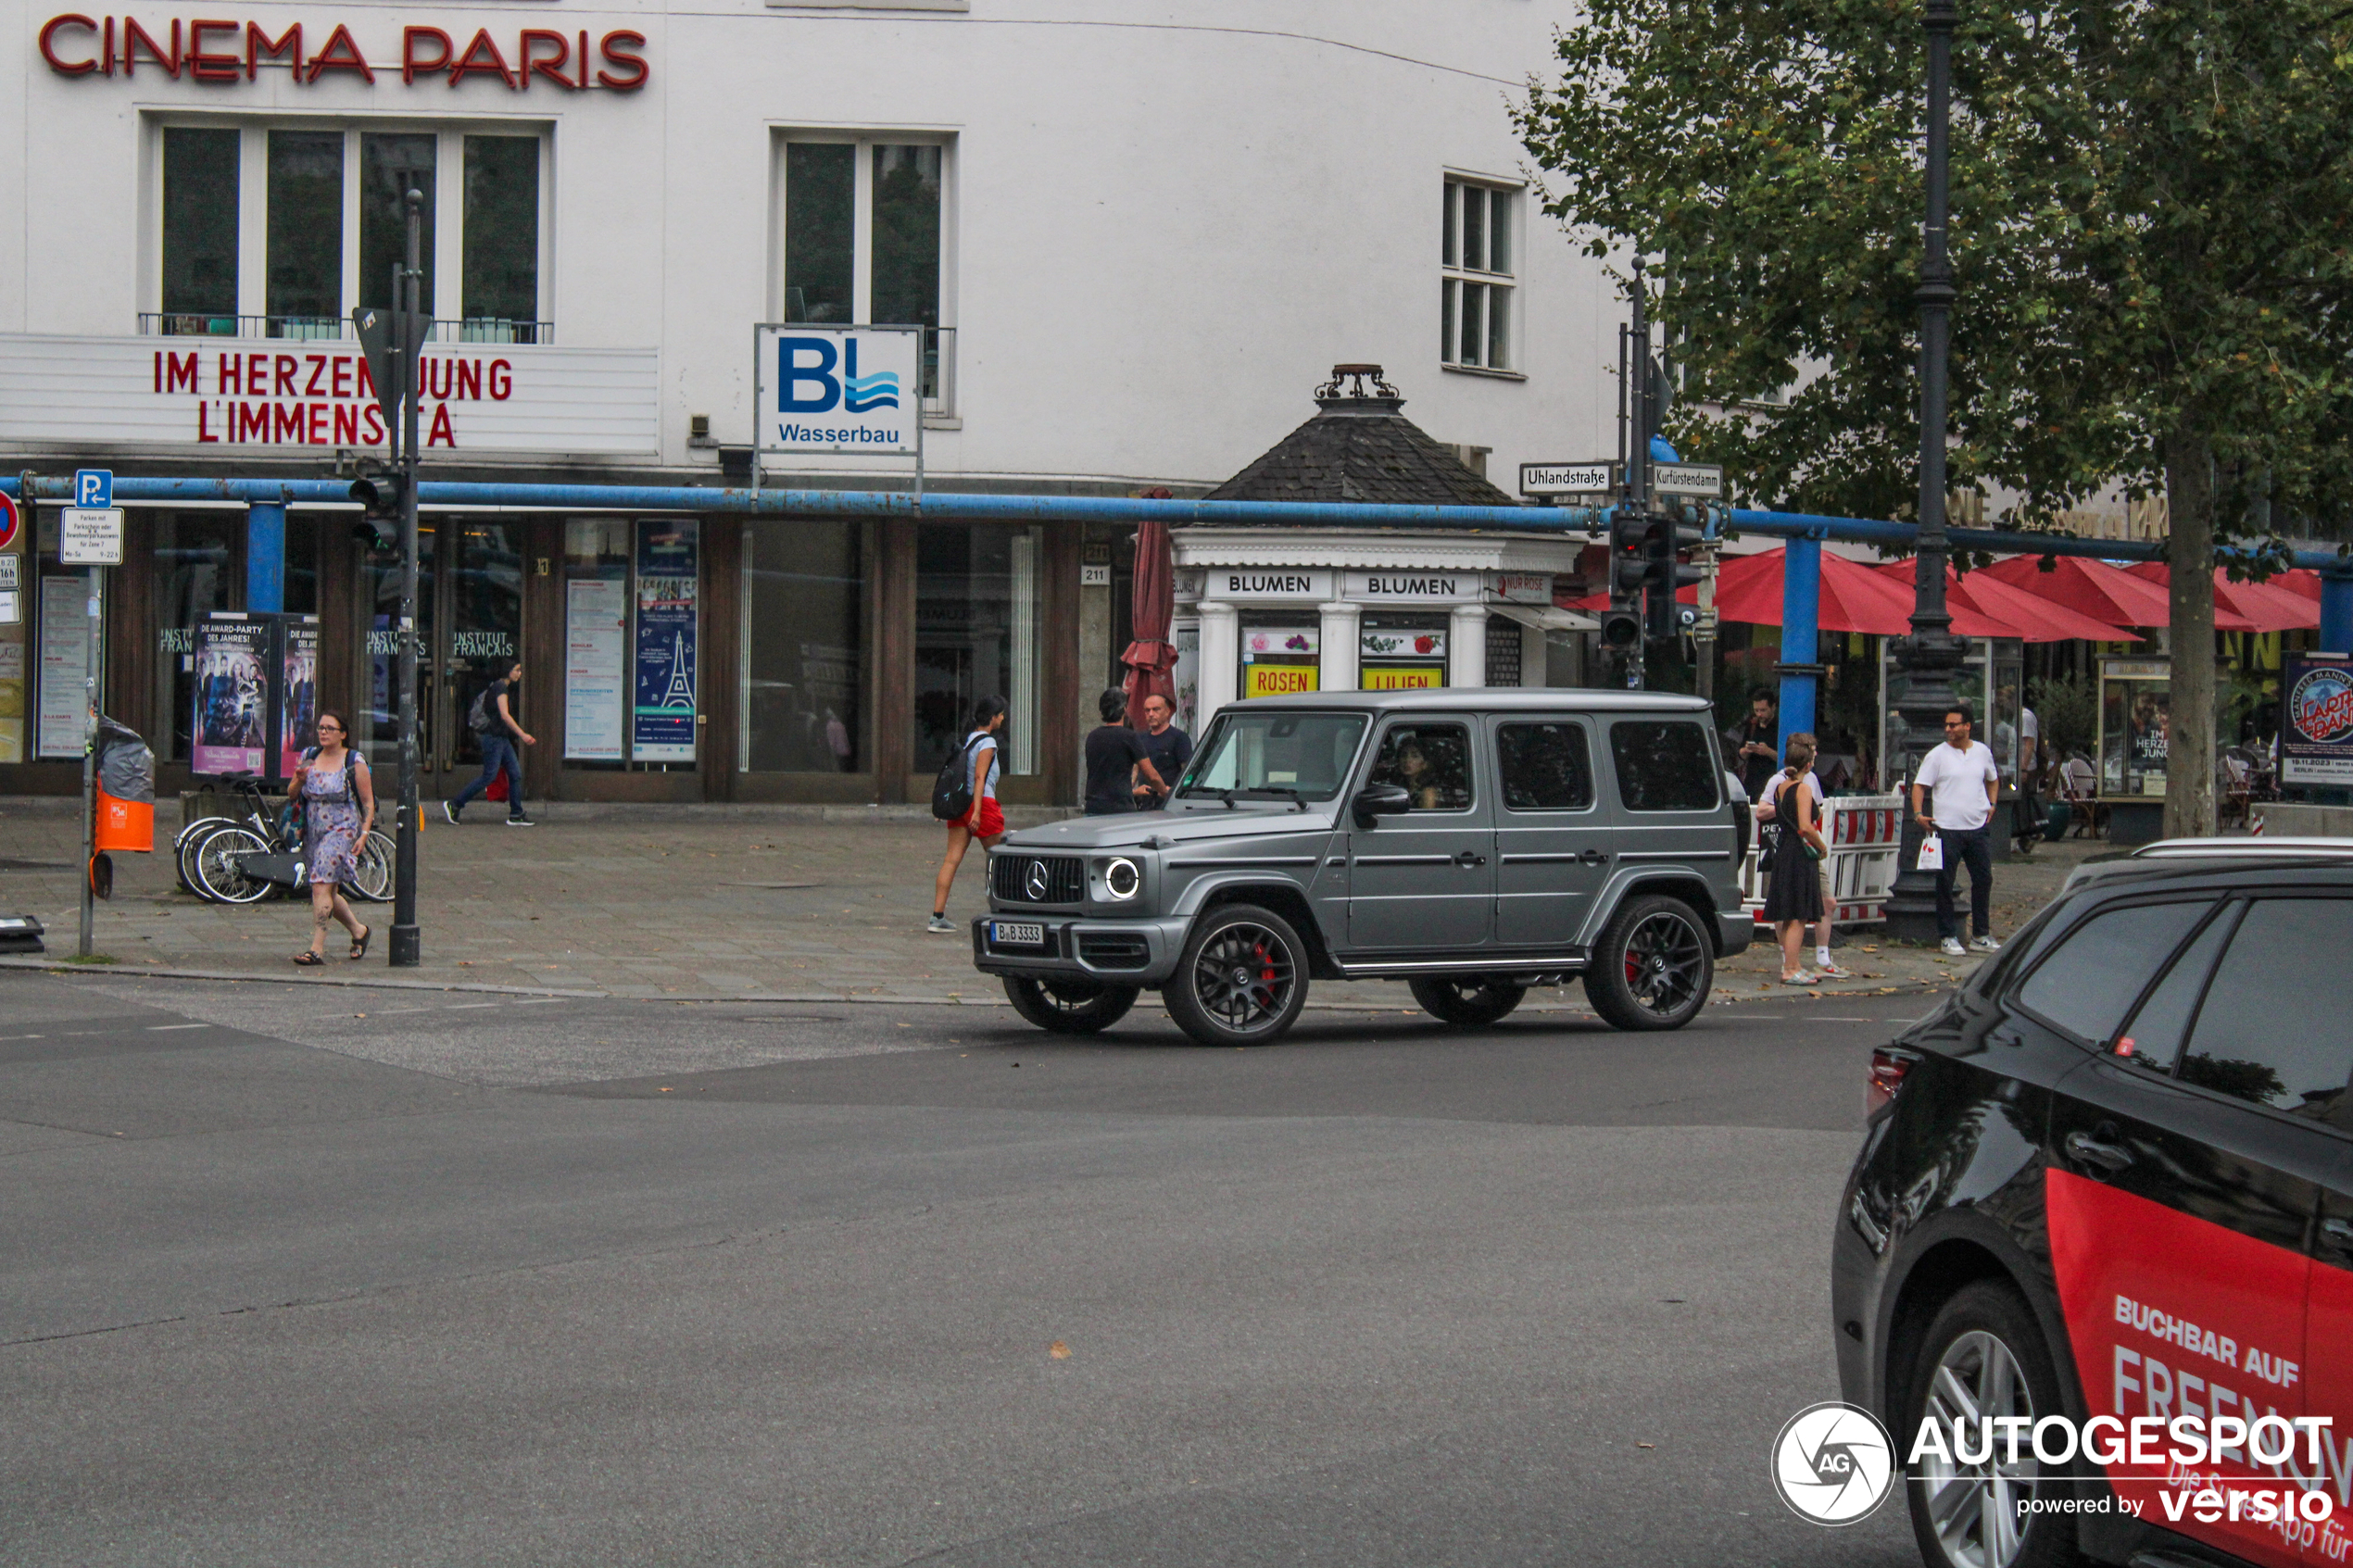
[126, 789]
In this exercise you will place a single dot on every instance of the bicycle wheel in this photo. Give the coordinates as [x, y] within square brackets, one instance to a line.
[371, 871]
[217, 870]
[184, 850]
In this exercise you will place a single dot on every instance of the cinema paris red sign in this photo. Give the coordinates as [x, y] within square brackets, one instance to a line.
[227, 51]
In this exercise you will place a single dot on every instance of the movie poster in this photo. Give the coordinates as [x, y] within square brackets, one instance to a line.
[300, 704]
[663, 718]
[231, 720]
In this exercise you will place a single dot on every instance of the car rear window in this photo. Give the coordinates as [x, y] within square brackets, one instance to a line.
[2273, 1026]
[1664, 766]
[1544, 767]
[2085, 985]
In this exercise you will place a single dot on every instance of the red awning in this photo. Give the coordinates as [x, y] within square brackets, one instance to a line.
[2097, 589]
[2265, 606]
[1976, 601]
[1854, 598]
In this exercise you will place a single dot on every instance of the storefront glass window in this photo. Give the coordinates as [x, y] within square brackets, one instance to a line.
[199, 223]
[976, 635]
[197, 572]
[390, 164]
[803, 649]
[820, 194]
[502, 234]
[906, 247]
[305, 226]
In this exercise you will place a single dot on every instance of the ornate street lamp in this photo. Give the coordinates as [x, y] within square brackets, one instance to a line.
[1930, 654]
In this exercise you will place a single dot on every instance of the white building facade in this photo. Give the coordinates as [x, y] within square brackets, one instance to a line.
[1135, 235]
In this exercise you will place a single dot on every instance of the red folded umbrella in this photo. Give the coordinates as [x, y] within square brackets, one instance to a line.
[2264, 607]
[1982, 608]
[2097, 589]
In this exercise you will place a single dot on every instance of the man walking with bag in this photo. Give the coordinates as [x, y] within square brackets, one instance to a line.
[492, 718]
[1966, 785]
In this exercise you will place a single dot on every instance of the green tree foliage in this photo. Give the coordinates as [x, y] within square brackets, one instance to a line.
[2150, 201]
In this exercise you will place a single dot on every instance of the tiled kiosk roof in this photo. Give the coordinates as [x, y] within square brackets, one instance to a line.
[1358, 447]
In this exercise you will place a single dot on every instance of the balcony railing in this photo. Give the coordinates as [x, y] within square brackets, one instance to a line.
[312, 328]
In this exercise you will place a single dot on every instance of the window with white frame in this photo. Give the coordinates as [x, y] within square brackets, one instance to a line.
[863, 236]
[280, 230]
[1477, 316]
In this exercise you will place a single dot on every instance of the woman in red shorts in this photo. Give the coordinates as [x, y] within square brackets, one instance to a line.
[987, 821]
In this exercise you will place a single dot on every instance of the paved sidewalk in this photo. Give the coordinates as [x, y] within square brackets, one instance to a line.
[715, 902]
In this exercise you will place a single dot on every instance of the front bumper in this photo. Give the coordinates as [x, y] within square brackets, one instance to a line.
[1120, 952]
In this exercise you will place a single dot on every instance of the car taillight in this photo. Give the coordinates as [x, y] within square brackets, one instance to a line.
[1888, 1068]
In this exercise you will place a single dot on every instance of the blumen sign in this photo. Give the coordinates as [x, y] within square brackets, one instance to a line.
[669, 554]
[2315, 721]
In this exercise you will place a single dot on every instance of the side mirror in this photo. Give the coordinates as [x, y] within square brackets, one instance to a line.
[1380, 800]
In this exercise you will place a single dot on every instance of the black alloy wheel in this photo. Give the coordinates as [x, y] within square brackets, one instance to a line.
[1069, 1007]
[1465, 1001]
[1652, 967]
[1983, 1356]
[1242, 980]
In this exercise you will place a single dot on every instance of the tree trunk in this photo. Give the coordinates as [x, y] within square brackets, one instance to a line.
[2189, 762]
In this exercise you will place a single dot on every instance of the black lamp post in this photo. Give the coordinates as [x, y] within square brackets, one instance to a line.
[1930, 654]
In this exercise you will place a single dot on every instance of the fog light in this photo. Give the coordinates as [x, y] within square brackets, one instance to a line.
[1123, 879]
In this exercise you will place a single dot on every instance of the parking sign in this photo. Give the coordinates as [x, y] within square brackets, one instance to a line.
[93, 488]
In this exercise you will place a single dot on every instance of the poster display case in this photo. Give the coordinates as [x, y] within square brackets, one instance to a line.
[2135, 727]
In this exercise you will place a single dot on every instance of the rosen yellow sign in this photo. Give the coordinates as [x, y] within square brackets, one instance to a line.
[1403, 680]
[1276, 680]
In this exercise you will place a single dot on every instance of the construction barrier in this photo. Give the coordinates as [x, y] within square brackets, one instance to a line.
[1864, 832]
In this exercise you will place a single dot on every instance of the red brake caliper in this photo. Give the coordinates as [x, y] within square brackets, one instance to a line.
[1266, 971]
[1634, 968]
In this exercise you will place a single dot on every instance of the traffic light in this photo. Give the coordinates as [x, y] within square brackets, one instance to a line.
[381, 494]
[1628, 570]
[1665, 542]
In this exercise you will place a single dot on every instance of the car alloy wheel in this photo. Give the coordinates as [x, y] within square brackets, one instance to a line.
[1243, 979]
[1652, 967]
[1069, 1007]
[1975, 1508]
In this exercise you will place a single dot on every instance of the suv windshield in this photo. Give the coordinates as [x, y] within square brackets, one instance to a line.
[1281, 756]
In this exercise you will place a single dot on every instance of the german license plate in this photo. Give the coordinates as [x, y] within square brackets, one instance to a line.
[1016, 934]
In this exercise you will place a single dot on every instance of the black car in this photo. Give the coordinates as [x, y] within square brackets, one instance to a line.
[2113, 1177]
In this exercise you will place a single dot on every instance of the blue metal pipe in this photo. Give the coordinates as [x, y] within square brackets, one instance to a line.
[266, 557]
[955, 507]
[2336, 614]
[1801, 615]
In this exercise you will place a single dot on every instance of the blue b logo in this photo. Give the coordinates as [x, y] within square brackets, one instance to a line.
[810, 361]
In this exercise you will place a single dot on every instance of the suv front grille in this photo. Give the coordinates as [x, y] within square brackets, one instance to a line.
[1062, 881]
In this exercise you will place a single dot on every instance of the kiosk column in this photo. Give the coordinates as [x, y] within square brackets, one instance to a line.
[1343, 620]
[1221, 657]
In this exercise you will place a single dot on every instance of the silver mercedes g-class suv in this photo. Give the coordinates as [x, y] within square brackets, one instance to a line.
[1473, 842]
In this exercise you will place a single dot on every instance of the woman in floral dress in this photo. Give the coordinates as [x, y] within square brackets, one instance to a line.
[338, 808]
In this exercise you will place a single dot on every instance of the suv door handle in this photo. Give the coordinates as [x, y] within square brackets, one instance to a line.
[1594, 857]
[1467, 860]
[2086, 1149]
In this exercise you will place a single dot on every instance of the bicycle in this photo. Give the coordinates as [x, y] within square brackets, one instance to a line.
[223, 859]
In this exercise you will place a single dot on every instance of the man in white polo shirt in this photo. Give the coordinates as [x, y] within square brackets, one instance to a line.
[1965, 783]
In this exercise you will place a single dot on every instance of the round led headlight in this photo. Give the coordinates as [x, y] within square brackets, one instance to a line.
[1123, 879]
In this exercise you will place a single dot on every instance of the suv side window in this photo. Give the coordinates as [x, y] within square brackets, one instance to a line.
[1543, 767]
[1430, 762]
[1665, 766]
[2273, 1026]
[2086, 983]
[2153, 1039]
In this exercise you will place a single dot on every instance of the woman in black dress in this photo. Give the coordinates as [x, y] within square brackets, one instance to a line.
[1793, 889]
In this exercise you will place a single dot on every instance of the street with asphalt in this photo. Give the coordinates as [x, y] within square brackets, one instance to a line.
[627, 1241]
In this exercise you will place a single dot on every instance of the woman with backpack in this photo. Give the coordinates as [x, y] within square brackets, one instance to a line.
[965, 798]
[1794, 886]
[338, 808]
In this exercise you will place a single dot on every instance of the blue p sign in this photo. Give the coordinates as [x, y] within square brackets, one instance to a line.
[93, 488]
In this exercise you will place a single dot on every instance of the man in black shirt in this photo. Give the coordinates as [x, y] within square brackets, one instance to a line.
[1115, 755]
[1756, 743]
[1169, 747]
